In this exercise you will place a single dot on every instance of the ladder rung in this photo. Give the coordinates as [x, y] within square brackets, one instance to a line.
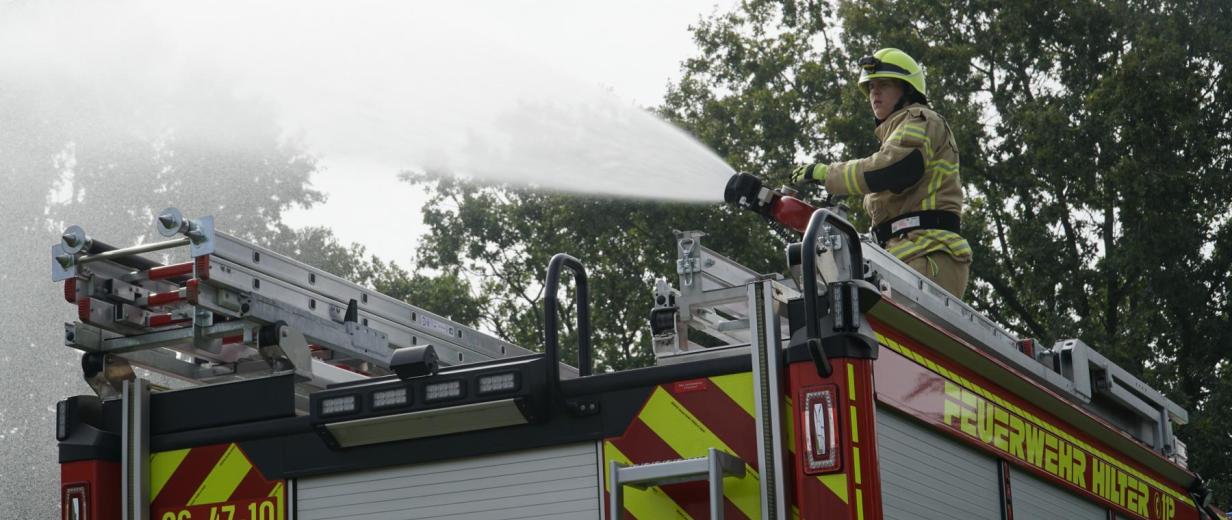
[712, 468]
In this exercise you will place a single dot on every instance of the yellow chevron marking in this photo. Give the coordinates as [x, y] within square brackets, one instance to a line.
[686, 434]
[837, 482]
[651, 502]
[739, 387]
[162, 465]
[277, 493]
[223, 479]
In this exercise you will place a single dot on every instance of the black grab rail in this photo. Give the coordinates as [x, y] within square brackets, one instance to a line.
[808, 261]
[550, 303]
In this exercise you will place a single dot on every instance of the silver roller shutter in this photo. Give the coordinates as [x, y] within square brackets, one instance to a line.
[1037, 499]
[556, 483]
[925, 475]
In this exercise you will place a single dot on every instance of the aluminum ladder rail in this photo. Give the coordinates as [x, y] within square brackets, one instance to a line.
[247, 286]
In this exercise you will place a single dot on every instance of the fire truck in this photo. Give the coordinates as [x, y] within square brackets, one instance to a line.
[240, 384]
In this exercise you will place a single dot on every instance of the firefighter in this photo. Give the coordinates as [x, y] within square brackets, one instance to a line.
[911, 188]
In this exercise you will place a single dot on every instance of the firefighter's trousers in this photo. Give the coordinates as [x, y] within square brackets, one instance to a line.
[943, 269]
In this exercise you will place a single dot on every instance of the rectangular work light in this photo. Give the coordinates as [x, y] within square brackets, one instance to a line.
[427, 423]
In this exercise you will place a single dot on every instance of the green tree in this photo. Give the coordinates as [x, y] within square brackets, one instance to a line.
[1094, 154]
[69, 161]
[503, 237]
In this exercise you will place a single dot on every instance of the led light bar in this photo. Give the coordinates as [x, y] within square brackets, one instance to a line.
[339, 405]
[442, 391]
[391, 398]
[498, 383]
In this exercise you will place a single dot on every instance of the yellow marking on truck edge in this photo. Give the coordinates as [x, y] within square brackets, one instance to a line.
[739, 387]
[855, 429]
[851, 381]
[162, 465]
[859, 504]
[837, 483]
[686, 434]
[1034, 432]
[651, 502]
[223, 479]
[855, 464]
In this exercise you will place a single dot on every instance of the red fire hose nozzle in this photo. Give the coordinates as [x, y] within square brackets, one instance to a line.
[747, 191]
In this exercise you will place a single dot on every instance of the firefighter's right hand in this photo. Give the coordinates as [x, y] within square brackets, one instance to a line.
[809, 172]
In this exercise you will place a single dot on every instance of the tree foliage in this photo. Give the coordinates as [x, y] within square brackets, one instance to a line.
[1094, 153]
[1095, 157]
[504, 237]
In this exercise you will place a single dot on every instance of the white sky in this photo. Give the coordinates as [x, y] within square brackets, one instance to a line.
[632, 47]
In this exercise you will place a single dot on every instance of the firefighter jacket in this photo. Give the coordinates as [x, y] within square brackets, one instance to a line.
[916, 170]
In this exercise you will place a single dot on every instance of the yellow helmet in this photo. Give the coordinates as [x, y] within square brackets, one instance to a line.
[892, 63]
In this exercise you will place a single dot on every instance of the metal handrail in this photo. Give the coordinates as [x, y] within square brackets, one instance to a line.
[808, 260]
[550, 304]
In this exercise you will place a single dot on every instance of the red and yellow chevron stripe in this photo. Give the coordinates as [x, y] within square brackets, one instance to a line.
[212, 482]
[682, 420]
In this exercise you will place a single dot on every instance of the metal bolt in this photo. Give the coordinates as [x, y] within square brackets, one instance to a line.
[66, 261]
[68, 336]
[70, 239]
[168, 221]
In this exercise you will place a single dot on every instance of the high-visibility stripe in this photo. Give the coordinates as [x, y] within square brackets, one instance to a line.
[162, 465]
[929, 241]
[915, 246]
[641, 445]
[849, 178]
[686, 434]
[724, 417]
[739, 388]
[855, 430]
[255, 485]
[223, 479]
[859, 504]
[204, 475]
[837, 484]
[188, 475]
[855, 459]
[647, 503]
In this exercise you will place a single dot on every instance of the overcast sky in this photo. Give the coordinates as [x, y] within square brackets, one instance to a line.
[632, 47]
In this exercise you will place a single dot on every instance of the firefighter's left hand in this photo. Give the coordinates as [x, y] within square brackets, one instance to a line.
[809, 172]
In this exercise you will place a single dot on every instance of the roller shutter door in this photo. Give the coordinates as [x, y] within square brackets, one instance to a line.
[925, 475]
[551, 483]
[1037, 499]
